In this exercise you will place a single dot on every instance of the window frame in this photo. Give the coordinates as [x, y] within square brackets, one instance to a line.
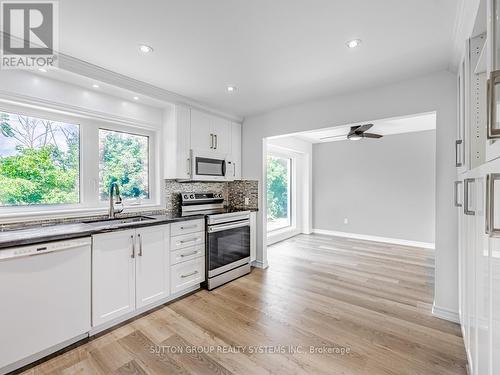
[271, 152]
[90, 203]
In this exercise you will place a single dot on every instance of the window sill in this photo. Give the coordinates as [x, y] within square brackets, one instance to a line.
[70, 213]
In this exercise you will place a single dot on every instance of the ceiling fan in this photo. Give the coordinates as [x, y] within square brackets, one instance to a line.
[357, 132]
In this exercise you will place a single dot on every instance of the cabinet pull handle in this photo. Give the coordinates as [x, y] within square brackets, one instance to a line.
[211, 140]
[140, 245]
[492, 133]
[189, 274]
[216, 143]
[455, 194]
[190, 240]
[467, 211]
[491, 230]
[189, 254]
[133, 247]
[189, 227]
[458, 161]
[188, 166]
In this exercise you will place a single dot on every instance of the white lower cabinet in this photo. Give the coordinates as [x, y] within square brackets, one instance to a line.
[152, 265]
[187, 274]
[113, 275]
[137, 268]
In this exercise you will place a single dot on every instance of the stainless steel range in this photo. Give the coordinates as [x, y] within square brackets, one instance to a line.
[227, 236]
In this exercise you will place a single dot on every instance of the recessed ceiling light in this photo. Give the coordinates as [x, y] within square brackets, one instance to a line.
[145, 48]
[95, 85]
[353, 43]
[231, 89]
[136, 98]
[43, 70]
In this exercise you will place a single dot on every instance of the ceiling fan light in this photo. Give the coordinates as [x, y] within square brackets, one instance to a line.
[355, 137]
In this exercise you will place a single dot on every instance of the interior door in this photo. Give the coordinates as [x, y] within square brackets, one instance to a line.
[113, 275]
[152, 264]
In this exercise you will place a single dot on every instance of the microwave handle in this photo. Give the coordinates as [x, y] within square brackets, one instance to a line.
[223, 167]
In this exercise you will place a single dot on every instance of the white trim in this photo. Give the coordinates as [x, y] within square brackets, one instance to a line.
[281, 235]
[396, 241]
[259, 264]
[446, 314]
[86, 69]
[71, 110]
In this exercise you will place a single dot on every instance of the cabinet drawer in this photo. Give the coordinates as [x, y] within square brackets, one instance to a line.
[187, 240]
[190, 226]
[188, 253]
[186, 274]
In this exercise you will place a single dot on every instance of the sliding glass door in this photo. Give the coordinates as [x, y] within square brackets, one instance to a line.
[279, 182]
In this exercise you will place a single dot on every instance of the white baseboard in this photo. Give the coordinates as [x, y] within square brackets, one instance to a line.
[259, 264]
[446, 314]
[396, 241]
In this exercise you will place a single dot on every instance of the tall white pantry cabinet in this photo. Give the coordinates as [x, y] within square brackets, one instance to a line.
[477, 191]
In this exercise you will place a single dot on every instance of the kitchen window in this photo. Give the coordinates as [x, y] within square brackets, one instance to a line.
[124, 158]
[39, 161]
[279, 182]
[54, 162]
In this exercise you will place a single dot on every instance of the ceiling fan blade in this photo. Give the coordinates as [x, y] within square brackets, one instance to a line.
[371, 135]
[363, 128]
[335, 137]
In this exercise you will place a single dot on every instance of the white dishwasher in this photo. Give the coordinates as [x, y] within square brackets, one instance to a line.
[44, 299]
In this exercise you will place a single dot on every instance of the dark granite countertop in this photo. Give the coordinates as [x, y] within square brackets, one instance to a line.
[38, 233]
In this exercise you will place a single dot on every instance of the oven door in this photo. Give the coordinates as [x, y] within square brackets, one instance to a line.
[228, 246]
[208, 166]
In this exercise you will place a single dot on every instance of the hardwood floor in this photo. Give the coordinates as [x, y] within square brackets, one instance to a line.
[366, 305]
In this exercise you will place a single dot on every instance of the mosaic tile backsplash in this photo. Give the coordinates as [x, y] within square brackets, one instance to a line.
[234, 192]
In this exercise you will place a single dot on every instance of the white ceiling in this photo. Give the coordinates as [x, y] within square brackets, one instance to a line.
[275, 52]
[385, 127]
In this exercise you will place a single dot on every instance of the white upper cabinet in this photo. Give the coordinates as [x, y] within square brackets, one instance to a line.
[152, 265]
[236, 149]
[177, 143]
[202, 137]
[221, 129]
[210, 133]
[187, 129]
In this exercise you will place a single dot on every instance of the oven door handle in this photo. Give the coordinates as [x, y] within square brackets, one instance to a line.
[221, 227]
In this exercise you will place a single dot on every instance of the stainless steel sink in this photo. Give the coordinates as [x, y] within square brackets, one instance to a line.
[123, 221]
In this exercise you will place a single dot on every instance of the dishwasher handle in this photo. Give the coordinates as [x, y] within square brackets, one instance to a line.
[44, 248]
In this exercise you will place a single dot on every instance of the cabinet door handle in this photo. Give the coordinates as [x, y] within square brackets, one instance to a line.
[189, 227]
[234, 169]
[190, 240]
[211, 140]
[189, 254]
[467, 211]
[216, 143]
[188, 166]
[189, 274]
[490, 205]
[458, 161]
[140, 244]
[133, 247]
[493, 132]
[455, 194]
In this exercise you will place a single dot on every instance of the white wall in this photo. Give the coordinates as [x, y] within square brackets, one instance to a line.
[49, 93]
[384, 187]
[434, 92]
[301, 152]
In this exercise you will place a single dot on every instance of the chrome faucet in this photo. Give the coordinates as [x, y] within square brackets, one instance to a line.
[114, 190]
